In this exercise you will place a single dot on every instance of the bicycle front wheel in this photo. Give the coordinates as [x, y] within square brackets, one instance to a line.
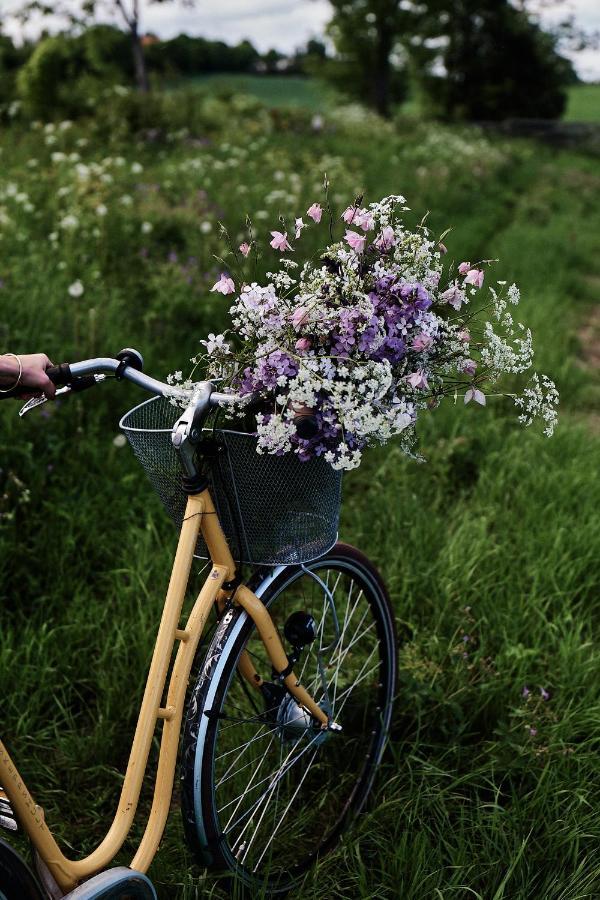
[265, 791]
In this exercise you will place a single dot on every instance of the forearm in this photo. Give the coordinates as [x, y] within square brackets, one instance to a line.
[9, 370]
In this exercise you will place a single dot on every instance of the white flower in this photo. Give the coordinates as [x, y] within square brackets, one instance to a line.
[76, 289]
[216, 343]
[137, 168]
[101, 210]
[206, 227]
[147, 227]
[69, 222]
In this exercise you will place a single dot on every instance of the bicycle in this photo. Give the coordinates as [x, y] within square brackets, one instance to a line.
[272, 772]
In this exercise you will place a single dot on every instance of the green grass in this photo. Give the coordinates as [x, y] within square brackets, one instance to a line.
[484, 792]
[272, 90]
[584, 103]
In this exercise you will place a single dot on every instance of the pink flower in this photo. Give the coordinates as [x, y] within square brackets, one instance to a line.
[224, 285]
[299, 226]
[386, 239]
[476, 395]
[475, 276]
[469, 366]
[349, 214]
[418, 380]
[365, 220]
[315, 212]
[464, 336]
[454, 296]
[422, 342]
[303, 344]
[464, 268]
[356, 241]
[299, 317]
[280, 241]
[244, 249]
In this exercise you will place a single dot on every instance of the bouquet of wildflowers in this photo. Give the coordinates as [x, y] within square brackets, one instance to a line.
[366, 336]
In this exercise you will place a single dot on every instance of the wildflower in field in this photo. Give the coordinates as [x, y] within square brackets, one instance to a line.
[349, 214]
[225, 285]
[206, 227]
[315, 212]
[147, 227]
[280, 241]
[76, 289]
[544, 694]
[137, 168]
[101, 210]
[69, 222]
[418, 380]
[464, 268]
[300, 224]
[525, 692]
[244, 248]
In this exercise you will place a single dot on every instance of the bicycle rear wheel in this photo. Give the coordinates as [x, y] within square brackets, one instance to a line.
[265, 792]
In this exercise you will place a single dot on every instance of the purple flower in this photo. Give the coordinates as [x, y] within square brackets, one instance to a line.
[525, 692]
[544, 694]
[453, 296]
[418, 380]
[422, 342]
[469, 366]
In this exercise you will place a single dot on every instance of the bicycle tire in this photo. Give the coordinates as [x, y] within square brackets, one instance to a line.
[217, 688]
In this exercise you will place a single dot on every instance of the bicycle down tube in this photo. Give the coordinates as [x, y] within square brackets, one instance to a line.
[200, 515]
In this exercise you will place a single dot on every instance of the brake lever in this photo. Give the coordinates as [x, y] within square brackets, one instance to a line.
[67, 389]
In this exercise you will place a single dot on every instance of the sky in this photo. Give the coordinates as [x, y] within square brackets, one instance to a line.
[287, 24]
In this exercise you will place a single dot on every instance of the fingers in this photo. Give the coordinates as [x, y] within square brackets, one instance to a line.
[37, 379]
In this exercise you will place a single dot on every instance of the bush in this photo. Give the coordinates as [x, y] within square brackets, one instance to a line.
[65, 74]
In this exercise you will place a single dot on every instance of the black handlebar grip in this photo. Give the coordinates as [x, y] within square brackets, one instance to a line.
[60, 375]
[307, 426]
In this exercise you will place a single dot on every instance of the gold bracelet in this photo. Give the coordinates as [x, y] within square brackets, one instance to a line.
[18, 381]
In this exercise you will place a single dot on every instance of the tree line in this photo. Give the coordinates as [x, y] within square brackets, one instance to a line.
[466, 59]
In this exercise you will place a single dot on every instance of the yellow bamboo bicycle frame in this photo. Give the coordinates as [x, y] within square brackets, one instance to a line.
[199, 516]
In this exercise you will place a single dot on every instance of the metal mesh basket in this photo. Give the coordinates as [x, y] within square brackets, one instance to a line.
[273, 509]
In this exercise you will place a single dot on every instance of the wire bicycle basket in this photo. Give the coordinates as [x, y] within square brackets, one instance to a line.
[274, 510]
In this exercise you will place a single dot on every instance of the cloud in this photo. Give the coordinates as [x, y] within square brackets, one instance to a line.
[287, 24]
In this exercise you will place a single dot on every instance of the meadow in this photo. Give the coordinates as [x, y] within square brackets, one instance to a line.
[109, 229]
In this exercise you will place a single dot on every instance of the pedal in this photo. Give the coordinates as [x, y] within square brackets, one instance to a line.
[7, 816]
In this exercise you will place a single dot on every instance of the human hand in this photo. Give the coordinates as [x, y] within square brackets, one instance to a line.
[33, 374]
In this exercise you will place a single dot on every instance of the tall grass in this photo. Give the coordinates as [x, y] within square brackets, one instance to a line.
[490, 549]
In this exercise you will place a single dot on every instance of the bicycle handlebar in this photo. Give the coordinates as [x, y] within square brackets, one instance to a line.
[74, 374]
[128, 364]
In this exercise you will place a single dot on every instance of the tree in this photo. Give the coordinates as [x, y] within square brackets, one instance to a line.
[492, 61]
[370, 37]
[82, 12]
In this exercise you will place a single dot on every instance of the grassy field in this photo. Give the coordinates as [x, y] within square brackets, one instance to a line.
[490, 549]
[584, 103]
[308, 93]
[272, 90]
